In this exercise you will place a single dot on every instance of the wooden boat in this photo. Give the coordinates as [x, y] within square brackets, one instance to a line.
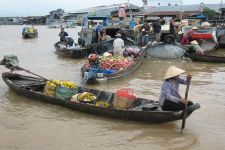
[206, 58]
[33, 87]
[105, 46]
[73, 52]
[27, 34]
[120, 73]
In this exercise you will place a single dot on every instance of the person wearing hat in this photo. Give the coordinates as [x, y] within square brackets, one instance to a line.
[194, 48]
[187, 36]
[170, 99]
[118, 45]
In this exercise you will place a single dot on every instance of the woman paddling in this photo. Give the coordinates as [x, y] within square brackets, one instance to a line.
[170, 99]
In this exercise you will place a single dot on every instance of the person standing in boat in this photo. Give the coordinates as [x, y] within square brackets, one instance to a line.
[122, 12]
[172, 27]
[99, 33]
[170, 99]
[157, 30]
[118, 45]
[145, 29]
[63, 35]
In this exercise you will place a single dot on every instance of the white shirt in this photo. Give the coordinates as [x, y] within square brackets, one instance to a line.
[118, 45]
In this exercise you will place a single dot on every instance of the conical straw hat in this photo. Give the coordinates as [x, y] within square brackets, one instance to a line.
[173, 71]
[194, 28]
[194, 42]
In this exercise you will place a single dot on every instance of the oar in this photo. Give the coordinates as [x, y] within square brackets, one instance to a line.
[185, 107]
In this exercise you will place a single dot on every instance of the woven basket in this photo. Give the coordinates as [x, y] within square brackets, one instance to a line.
[122, 103]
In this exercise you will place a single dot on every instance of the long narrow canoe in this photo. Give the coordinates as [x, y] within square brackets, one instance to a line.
[33, 88]
[121, 73]
[206, 58]
[74, 52]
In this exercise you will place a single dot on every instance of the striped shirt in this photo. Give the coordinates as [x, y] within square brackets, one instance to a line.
[169, 91]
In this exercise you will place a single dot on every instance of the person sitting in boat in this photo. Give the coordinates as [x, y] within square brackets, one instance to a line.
[170, 99]
[105, 36]
[118, 45]
[185, 40]
[69, 41]
[195, 48]
[63, 35]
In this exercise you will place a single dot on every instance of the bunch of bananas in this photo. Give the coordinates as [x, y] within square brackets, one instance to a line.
[67, 84]
[102, 104]
[87, 97]
[51, 84]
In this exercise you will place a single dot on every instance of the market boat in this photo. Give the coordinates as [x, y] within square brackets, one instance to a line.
[29, 33]
[205, 36]
[205, 58]
[105, 46]
[73, 52]
[33, 87]
[120, 73]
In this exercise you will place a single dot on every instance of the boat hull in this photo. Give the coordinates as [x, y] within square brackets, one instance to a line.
[13, 81]
[70, 52]
[121, 73]
[206, 58]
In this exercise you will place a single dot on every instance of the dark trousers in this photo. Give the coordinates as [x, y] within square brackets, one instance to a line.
[171, 106]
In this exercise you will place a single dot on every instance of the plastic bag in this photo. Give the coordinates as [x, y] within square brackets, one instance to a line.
[65, 93]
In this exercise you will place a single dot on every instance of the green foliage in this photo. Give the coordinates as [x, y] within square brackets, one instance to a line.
[210, 13]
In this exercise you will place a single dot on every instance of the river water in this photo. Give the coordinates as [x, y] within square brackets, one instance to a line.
[26, 124]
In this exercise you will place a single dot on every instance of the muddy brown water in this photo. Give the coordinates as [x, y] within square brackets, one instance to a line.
[26, 124]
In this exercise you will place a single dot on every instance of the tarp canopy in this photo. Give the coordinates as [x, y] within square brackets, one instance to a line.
[10, 61]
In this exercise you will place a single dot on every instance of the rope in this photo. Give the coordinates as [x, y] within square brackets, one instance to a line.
[92, 72]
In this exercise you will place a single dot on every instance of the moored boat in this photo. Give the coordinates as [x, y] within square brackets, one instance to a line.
[29, 33]
[105, 46]
[33, 87]
[206, 58]
[205, 36]
[72, 51]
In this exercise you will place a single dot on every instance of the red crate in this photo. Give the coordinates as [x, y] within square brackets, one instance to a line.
[201, 36]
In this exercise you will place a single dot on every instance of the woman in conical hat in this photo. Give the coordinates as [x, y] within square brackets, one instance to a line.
[170, 99]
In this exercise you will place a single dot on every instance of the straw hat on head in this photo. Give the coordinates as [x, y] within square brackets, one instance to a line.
[205, 24]
[173, 71]
[194, 42]
[194, 28]
[118, 35]
[123, 5]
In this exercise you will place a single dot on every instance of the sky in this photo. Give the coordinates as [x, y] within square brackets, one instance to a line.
[43, 7]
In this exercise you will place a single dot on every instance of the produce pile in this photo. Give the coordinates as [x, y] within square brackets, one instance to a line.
[85, 97]
[102, 104]
[66, 84]
[132, 52]
[51, 86]
[115, 63]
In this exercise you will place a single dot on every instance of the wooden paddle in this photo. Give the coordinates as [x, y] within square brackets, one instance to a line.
[185, 107]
